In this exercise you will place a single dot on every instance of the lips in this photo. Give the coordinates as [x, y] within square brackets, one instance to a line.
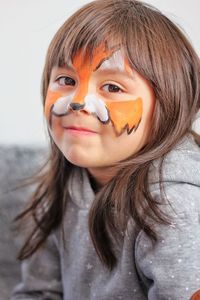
[79, 129]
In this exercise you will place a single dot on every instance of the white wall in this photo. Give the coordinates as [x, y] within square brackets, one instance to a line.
[26, 28]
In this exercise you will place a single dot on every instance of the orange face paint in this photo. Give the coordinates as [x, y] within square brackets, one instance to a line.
[51, 98]
[123, 114]
[84, 67]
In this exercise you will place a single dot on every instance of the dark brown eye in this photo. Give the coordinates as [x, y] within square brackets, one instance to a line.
[65, 80]
[111, 88]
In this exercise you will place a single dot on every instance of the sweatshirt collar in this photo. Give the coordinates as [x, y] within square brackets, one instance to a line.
[80, 189]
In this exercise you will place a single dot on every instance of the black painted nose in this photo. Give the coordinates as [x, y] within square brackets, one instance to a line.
[77, 106]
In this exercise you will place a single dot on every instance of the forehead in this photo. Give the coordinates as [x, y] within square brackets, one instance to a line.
[116, 59]
[100, 60]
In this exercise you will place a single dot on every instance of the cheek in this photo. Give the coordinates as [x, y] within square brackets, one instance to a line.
[49, 101]
[125, 114]
[148, 112]
[56, 130]
[148, 102]
[117, 148]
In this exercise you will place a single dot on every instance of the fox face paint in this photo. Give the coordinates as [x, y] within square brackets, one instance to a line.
[124, 114]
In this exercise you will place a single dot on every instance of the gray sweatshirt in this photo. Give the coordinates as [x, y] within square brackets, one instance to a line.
[167, 270]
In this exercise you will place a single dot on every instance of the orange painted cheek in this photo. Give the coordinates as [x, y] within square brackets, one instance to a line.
[125, 114]
[49, 101]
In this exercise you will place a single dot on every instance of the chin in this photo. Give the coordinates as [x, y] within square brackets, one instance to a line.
[82, 163]
[83, 160]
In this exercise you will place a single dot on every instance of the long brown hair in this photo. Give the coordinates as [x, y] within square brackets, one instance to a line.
[158, 50]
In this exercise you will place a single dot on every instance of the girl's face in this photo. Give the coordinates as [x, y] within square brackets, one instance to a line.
[99, 112]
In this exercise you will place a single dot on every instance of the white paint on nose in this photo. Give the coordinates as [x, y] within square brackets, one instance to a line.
[96, 106]
[93, 105]
[61, 106]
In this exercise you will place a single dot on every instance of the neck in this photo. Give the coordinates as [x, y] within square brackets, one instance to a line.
[101, 176]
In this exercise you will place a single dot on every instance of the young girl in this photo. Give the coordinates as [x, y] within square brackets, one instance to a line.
[116, 214]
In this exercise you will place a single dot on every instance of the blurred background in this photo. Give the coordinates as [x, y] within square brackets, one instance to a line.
[26, 29]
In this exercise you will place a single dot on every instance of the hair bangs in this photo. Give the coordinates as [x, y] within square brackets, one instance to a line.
[86, 30]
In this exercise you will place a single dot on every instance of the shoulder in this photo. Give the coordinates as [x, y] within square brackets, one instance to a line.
[175, 254]
[182, 164]
[180, 181]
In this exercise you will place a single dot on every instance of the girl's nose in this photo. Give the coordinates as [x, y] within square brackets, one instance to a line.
[76, 106]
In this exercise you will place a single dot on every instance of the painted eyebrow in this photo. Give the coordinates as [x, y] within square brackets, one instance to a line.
[105, 71]
[66, 67]
[115, 71]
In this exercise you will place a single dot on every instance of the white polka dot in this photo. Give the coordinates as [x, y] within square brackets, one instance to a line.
[187, 288]
[179, 260]
[172, 276]
[173, 225]
[89, 266]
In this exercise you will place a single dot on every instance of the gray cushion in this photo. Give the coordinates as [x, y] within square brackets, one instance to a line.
[16, 163]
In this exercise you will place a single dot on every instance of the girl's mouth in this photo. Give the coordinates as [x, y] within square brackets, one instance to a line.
[73, 130]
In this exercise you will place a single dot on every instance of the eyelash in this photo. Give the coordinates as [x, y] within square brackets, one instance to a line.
[72, 82]
[119, 90]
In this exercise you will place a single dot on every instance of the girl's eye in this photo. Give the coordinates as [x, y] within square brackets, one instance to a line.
[65, 80]
[112, 88]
